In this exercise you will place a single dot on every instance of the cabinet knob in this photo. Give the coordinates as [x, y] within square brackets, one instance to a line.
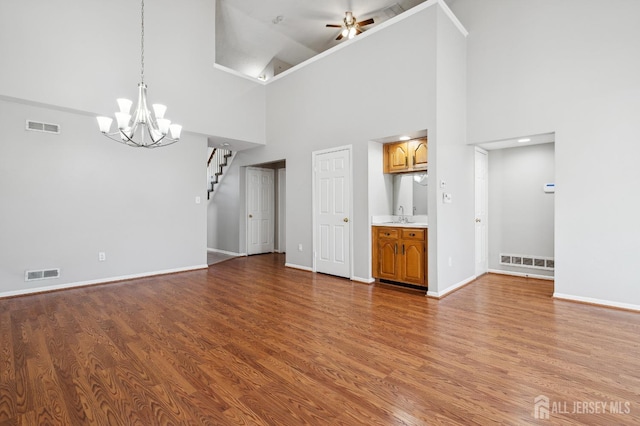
[412, 234]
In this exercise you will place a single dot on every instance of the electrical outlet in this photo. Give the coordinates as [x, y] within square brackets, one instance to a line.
[102, 256]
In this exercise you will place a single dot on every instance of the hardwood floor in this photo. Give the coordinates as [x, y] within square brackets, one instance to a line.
[249, 341]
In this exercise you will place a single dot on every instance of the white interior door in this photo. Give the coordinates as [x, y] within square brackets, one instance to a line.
[481, 201]
[260, 207]
[332, 212]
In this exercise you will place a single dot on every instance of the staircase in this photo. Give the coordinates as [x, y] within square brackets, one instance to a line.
[218, 159]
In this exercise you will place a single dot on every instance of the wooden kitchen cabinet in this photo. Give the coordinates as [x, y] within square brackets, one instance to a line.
[400, 254]
[405, 157]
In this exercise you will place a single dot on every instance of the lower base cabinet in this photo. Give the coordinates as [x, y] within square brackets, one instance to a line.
[400, 254]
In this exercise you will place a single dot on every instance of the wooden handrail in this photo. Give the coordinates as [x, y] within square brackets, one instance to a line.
[211, 156]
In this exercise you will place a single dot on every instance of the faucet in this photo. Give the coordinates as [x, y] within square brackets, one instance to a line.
[402, 219]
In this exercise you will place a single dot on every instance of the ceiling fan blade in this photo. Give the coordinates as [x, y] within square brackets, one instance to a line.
[340, 37]
[334, 26]
[359, 30]
[366, 22]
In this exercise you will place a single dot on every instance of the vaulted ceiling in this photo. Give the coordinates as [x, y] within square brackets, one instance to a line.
[265, 37]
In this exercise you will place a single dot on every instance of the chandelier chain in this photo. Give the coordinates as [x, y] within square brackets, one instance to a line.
[142, 44]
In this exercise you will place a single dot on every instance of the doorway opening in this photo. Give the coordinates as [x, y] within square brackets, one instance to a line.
[520, 207]
[265, 208]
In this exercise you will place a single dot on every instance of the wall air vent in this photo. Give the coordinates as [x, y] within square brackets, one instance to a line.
[42, 274]
[528, 261]
[37, 126]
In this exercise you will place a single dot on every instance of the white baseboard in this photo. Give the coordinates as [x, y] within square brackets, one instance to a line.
[363, 280]
[230, 253]
[441, 294]
[98, 281]
[294, 266]
[521, 274]
[592, 301]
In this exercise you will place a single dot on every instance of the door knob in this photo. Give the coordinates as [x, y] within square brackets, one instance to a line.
[478, 220]
[250, 216]
[346, 219]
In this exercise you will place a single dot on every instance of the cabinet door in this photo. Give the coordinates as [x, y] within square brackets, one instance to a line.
[413, 261]
[388, 259]
[418, 153]
[397, 156]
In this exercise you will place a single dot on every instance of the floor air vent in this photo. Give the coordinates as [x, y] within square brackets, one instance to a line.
[526, 261]
[42, 274]
[37, 126]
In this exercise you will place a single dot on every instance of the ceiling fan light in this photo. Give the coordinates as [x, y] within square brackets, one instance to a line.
[345, 32]
[352, 32]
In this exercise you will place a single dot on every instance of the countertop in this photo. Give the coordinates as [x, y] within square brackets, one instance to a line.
[403, 225]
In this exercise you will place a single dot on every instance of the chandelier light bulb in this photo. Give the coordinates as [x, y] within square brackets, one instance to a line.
[159, 110]
[124, 105]
[104, 123]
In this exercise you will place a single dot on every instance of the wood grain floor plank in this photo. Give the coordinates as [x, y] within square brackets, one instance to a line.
[250, 342]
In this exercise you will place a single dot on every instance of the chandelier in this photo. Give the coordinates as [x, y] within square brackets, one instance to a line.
[155, 130]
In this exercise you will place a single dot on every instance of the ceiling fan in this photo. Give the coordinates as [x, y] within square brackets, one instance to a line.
[350, 28]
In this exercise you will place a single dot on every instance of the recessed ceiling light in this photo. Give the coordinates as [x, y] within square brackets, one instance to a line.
[404, 138]
[524, 140]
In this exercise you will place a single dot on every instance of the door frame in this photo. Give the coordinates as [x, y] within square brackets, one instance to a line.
[485, 268]
[314, 214]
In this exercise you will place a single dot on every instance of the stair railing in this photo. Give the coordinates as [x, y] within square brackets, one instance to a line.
[215, 167]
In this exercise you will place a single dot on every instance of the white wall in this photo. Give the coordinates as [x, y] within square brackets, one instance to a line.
[84, 55]
[520, 212]
[67, 197]
[571, 67]
[450, 160]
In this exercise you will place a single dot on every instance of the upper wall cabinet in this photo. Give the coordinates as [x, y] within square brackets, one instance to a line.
[403, 157]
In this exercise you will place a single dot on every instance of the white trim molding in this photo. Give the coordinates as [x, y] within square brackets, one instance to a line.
[363, 280]
[443, 293]
[599, 302]
[98, 281]
[230, 253]
[521, 274]
[302, 268]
